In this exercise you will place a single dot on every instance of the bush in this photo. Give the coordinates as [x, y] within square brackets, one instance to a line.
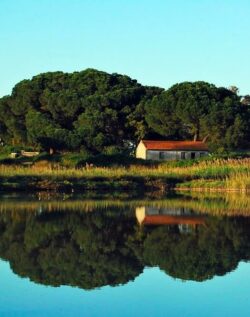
[74, 159]
[114, 160]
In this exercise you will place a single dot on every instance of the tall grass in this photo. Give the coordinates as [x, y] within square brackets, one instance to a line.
[204, 169]
[230, 174]
[240, 181]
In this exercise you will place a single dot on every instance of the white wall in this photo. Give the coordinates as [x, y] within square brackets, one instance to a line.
[140, 151]
[171, 155]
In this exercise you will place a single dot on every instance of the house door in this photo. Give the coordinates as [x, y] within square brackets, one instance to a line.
[192, 155]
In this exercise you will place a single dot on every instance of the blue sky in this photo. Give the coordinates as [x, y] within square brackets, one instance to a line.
[157, 42]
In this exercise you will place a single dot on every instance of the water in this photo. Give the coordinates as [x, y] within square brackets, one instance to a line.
[123, 256]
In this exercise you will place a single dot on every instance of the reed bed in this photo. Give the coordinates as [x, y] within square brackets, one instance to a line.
[205, 169]
[230, 173]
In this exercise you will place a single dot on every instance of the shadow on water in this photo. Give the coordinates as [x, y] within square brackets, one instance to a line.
[90, 243]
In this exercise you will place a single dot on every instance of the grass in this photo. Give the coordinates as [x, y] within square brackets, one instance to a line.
[223, 174]
[239, 180]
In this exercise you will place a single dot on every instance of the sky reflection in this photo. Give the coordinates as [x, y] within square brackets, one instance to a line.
[153, 293]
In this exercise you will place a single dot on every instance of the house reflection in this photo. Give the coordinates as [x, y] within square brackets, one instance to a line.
[184, 218]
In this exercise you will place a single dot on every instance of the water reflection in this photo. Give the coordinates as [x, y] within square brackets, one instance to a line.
[92, 243]
[184, 218]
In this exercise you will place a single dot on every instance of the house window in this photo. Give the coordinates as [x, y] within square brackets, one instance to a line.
[161, 155]
[183, 155]
[202, 154]
[192, 155]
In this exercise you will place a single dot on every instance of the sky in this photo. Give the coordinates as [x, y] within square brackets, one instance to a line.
[157, 42]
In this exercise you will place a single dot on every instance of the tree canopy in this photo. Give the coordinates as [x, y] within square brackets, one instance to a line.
[200, 111]
[90, 109]
[97, 112]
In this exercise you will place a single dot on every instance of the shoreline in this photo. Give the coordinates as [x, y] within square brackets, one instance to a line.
[209, 189]
[138, 184]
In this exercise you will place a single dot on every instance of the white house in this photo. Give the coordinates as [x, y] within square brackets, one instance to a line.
[171, 150]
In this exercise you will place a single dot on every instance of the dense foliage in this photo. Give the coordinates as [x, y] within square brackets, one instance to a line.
[97, 248]
[92, 110]
[201, 111]
[97, 112]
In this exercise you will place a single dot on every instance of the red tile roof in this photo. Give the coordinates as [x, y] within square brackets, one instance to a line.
[173, 220]
[175, 145]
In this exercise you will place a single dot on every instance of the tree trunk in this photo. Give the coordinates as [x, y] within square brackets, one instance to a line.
[197, 132]
[205, 138]
[196, 136]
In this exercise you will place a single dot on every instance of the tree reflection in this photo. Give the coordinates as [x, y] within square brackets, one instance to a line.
[80, 249]
[93, 249]
[214, 249]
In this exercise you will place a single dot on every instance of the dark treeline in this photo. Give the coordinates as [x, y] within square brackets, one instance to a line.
[96, 112]
[98, 248]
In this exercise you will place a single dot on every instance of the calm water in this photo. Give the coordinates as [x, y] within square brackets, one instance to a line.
[119, 256]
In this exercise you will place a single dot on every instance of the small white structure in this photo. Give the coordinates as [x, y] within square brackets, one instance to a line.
[13, 155]
[171, 150]
[29, 154]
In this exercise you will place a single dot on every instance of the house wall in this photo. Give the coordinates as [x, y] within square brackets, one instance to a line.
[174, 211]
[172, 155]
[140, 151]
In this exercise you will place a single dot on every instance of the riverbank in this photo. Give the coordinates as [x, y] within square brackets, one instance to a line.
[217, 174]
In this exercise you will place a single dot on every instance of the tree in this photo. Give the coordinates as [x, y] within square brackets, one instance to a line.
[41, 130]
[245, 100]
[180, 110]
[110, 113]
[200, 111]
[234, 89]
[90, 109]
